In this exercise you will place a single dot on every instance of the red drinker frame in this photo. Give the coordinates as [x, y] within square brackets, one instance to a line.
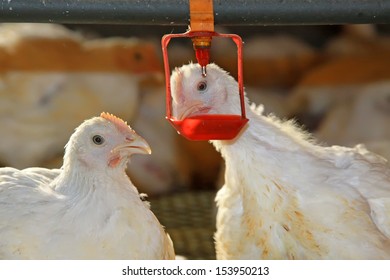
[206, 127]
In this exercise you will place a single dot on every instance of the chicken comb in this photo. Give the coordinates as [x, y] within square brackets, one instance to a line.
[120, 124]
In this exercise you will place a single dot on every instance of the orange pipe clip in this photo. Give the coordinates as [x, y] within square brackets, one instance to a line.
[201, 15]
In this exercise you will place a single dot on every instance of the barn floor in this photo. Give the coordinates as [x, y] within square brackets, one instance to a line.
[189, 218]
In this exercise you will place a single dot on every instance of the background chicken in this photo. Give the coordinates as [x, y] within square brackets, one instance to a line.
[363, 118]
[52, 79]
[284, 196]
[358, 39]
[344, 100]
[355, 58]
[88, 209]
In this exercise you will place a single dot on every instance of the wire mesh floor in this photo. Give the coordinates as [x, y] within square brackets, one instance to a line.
[189, 218]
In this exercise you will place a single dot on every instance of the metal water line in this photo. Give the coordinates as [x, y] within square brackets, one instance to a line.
[175, 12]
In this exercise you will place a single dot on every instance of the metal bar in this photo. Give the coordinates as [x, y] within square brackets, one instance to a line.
[176, 12]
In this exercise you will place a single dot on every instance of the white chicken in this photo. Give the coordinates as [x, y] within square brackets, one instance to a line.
[284, 196]
[88, 209]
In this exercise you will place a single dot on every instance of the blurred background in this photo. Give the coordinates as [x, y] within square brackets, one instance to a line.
[334, 80]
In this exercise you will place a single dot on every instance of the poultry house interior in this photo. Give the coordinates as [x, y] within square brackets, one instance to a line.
[333, 80]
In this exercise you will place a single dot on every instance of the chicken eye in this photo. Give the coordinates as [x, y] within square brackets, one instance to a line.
[98, 140]
[202, 86]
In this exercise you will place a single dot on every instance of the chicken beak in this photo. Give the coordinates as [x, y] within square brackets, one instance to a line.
[134, 145]
[138, 145]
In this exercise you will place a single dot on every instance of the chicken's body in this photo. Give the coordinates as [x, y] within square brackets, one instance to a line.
[284, 196]
[288, 199]
[86, 210]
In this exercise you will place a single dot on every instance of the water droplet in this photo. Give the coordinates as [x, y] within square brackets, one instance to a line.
[204, 72]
